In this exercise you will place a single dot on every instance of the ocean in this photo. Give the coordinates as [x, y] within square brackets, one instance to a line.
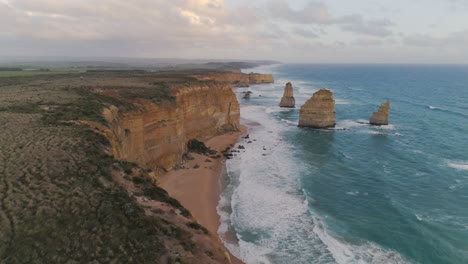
[357, 194]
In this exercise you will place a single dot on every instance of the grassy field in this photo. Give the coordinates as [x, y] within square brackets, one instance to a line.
[34, 73]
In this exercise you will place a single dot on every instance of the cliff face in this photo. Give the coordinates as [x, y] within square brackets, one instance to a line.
[156, 136]
[381, 116]
[318, 111]
[288, 97]
[255, 78]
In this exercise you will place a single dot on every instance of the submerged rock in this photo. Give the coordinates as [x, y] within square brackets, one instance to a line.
[380, 117]
[318, 111]
[288, 97]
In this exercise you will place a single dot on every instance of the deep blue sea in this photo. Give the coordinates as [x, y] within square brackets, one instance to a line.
[389, 194]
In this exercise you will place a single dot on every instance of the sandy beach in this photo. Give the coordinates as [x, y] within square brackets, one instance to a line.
[198, 185]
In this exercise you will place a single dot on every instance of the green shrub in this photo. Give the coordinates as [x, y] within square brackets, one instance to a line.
[197, 226]
[197, 146]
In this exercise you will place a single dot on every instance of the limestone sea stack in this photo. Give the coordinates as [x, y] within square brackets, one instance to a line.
[318, 111]
[288, 97]
[380, 117]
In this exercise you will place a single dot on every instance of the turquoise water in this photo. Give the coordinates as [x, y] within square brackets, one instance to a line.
[390, 194]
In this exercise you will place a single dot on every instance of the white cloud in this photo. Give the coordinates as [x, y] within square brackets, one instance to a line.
[273, 29]
[312, 13]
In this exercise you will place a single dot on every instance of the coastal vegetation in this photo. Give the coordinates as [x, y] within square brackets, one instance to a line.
[64, 196]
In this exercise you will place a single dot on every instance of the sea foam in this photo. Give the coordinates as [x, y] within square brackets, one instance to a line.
[272, 221]
[458, 165]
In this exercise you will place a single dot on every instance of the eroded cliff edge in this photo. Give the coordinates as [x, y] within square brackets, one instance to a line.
[156, 135]
[69, 195]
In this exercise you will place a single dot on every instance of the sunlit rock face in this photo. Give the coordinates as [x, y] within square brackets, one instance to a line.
[380, 117]
[288, 97]
[318, 111]
[156, 136]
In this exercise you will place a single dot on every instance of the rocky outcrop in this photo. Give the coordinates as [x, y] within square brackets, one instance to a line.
[256, 78]
[247, 95]
[156, 135]
[288, 97]
[318, 111]
[380, 117]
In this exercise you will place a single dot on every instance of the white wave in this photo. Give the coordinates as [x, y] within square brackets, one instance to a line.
[346, 253]
[433, 107]
[386, 127]
[267, 185]
[271, 215]
[289, 122]
[418, 217]
[374, 132]
[341, 102]
[277, 109]
[458, 165]
[347, 124]
[305, 91]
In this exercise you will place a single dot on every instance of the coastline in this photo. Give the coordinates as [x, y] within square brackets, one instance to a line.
[198, 188]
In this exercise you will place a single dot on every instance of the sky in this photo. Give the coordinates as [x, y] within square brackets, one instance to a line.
[302, 31]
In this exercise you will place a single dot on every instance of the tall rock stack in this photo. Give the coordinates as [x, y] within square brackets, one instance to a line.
[380, 117]
[288, 97]
[318, 111]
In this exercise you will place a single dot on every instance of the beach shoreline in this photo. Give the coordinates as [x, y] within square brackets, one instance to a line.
[198, 185]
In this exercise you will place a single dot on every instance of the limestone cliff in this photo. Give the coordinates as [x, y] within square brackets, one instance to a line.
[256, 78]
[318, 111]
[156, 136]
[381, 116]
[288, 97]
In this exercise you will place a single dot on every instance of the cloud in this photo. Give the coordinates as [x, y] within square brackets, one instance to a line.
[455, 39]
[306, 33]
[379, 28]
[317, 13]
[368, 41]
[312, 13]
[266, 29]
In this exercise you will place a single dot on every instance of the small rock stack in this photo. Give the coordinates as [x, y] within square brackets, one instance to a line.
[380, 117]
[247, 95]
[288, 97]
[318, 111]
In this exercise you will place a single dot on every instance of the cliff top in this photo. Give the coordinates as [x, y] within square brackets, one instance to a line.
[324, 92]
[63, 197]
[322, 95]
